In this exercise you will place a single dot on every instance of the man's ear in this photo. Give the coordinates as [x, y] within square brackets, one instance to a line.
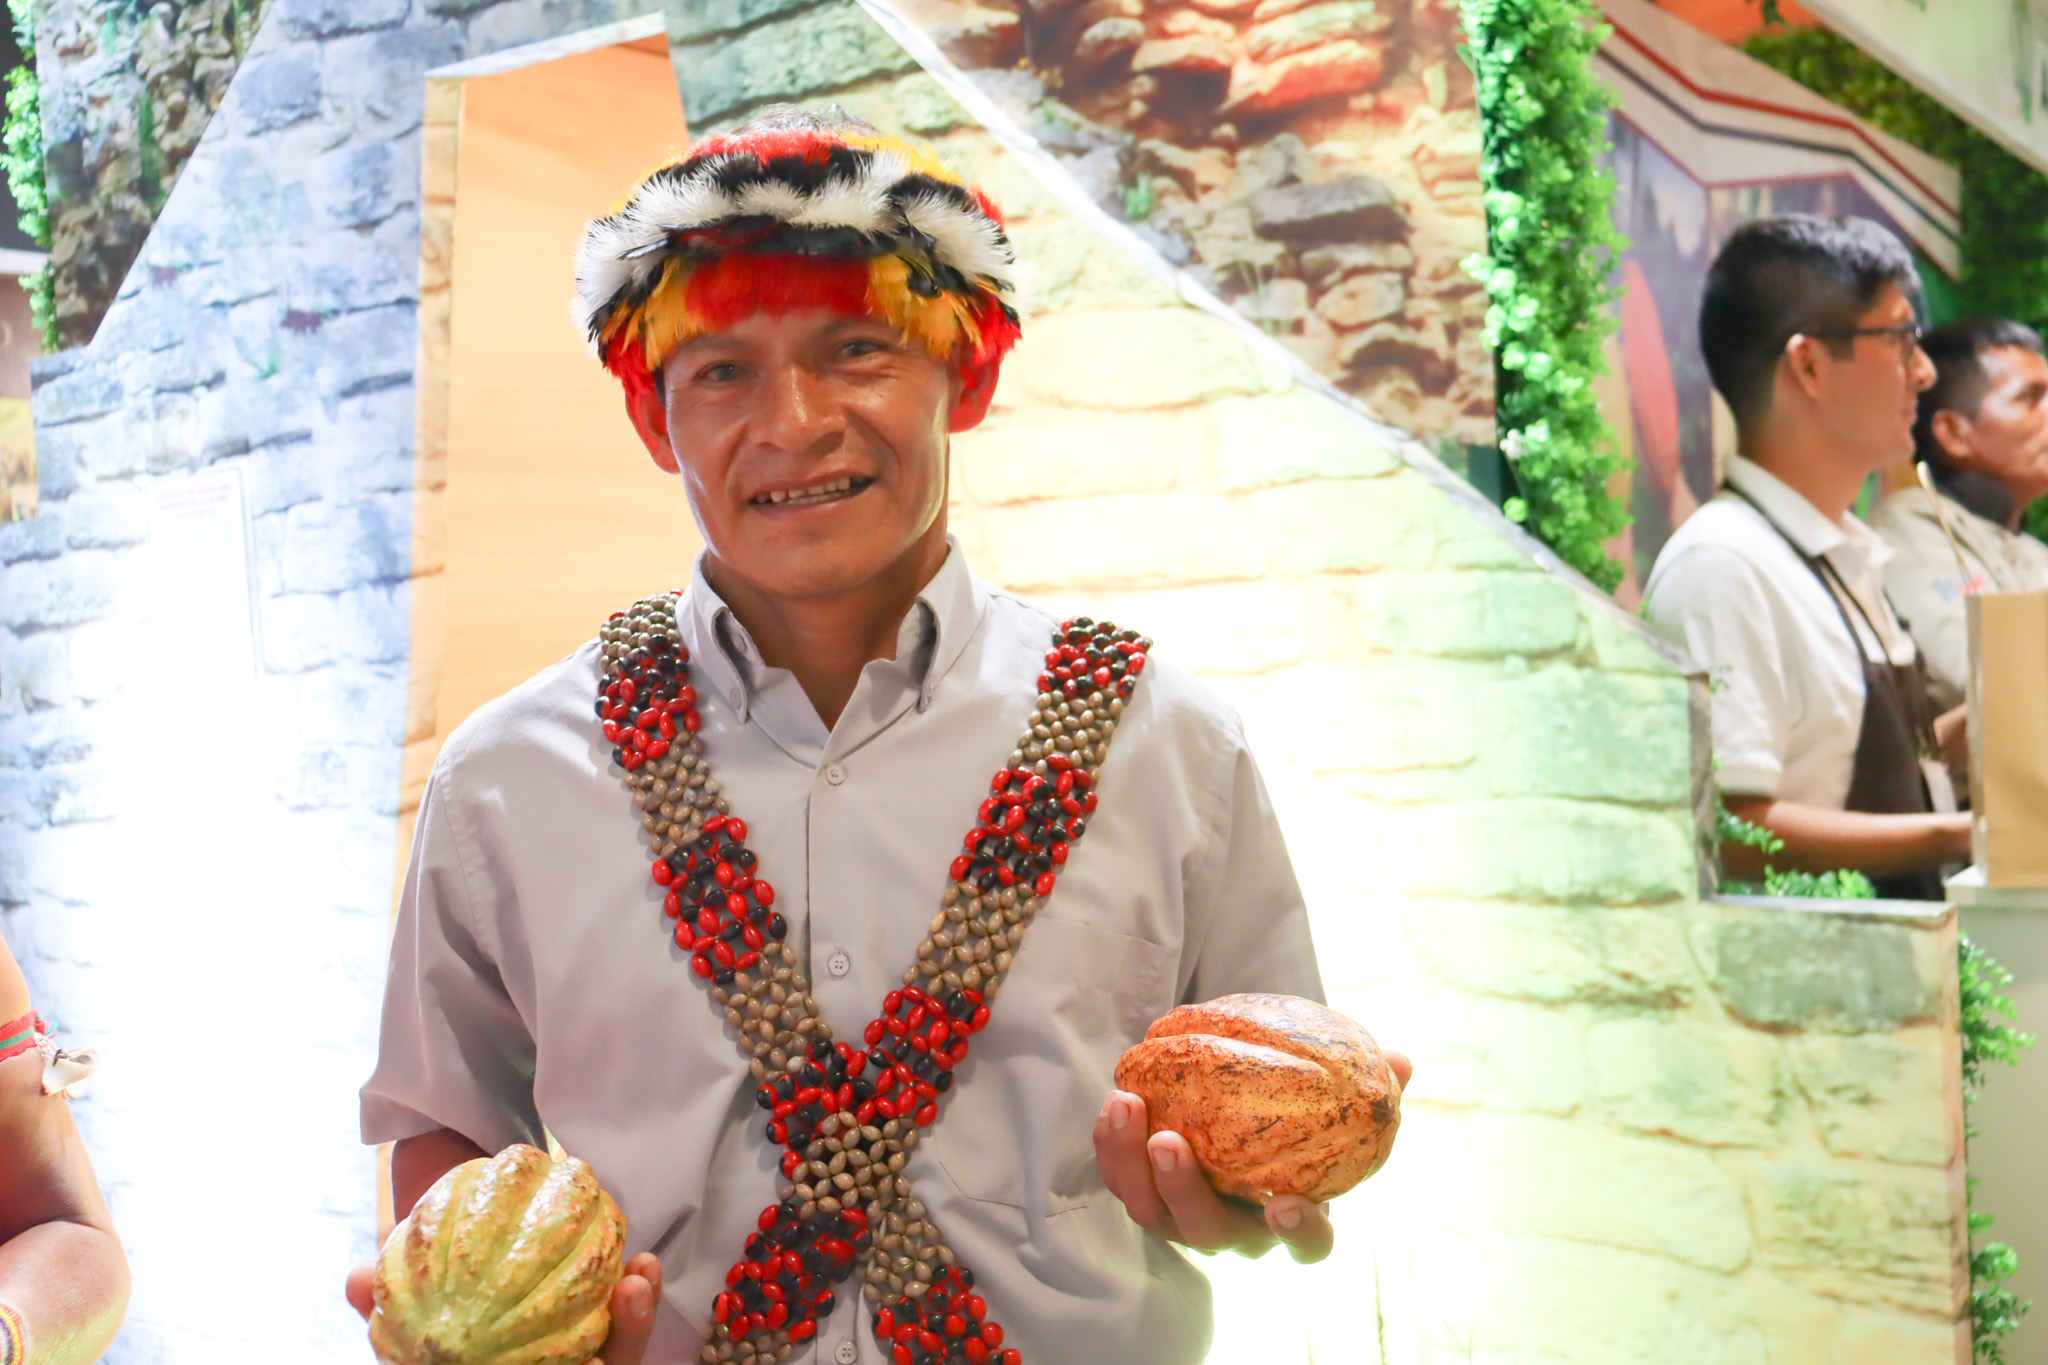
[1803, 362]
[977, 391]
[1951, 431]
[649, 416]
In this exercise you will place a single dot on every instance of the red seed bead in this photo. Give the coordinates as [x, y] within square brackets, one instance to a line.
[737, 828]
[977, 1307]
[715, 824]
[901, 1355]
[768, 1217]
[804, 1330]
[977, 1351]
[690, 721]
[885, 1323]
[930, 1340]
[764, 893]
[992, 1333]
[700, 963]
[1043, 886]
[959, 869]
[956, 1326]
[662, 873]
[927, 1115]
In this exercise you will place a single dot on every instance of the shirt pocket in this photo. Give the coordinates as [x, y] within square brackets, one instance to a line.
[1018, 1128]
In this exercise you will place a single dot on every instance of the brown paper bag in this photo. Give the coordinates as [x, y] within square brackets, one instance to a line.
[2009, 736]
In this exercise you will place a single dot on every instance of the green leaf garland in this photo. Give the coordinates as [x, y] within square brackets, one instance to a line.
[1551, 244]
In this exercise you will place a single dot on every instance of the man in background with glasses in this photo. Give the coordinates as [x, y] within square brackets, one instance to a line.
[1823, 729]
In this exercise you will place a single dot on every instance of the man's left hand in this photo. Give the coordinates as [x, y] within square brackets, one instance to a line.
[633, 1304]
[1163, 1189]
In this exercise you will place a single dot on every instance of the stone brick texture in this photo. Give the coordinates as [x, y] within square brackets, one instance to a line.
[1315, 162]
[196, 867]
[1643, 1126]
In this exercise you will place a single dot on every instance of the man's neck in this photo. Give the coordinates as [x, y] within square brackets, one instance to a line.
[826, 641]
[1807, 468]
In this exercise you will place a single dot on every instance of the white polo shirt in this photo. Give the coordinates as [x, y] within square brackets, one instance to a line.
[1787, 675]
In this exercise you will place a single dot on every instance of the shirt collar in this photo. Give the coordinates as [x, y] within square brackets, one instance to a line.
[935, 630]
[1849, 542]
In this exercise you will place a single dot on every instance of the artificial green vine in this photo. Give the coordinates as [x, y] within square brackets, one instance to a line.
[1550, 246]
[21, 158]
[1987, 1039]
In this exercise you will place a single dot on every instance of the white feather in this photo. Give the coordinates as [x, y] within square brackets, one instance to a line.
[962, 239]
[771, 199]
[861, 202]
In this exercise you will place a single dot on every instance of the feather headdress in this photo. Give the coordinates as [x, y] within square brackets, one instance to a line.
[796, 210]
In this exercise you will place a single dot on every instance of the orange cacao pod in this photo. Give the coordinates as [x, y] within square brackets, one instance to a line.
[1276, 1095]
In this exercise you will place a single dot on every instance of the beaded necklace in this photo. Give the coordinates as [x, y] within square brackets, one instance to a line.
[847, 1117]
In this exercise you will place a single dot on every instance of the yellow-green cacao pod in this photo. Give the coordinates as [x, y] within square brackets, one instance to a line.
[507, 1260]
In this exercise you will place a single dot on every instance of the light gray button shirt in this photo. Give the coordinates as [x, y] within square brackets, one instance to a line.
[534, 980]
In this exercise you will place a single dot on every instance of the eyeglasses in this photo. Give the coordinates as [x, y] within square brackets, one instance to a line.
[1906, 336]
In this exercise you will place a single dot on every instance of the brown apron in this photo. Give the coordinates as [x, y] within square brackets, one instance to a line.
[1898, 728]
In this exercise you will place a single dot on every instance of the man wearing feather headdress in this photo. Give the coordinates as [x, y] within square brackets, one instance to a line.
[801, 313]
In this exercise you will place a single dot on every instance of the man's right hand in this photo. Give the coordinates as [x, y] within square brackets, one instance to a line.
[634, 1300]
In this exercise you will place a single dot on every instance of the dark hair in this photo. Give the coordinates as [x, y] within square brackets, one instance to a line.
[1957, 351]
[1779, 276]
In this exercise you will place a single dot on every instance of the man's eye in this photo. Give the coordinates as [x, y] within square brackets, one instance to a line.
[861, 346]
[724, 372]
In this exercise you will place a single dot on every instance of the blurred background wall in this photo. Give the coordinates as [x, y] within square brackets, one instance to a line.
[306, 497]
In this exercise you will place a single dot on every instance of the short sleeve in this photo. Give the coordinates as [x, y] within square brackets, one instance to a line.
[1247, 921]
[1718, 606]
[453, 1051]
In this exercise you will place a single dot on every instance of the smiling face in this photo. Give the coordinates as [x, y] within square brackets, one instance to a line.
[813, 448]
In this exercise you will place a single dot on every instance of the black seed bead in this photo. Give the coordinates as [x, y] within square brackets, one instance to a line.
[791, 1209]
[943, 1082]
[745, 858]
[824, 1305]
[966, 1277]
[765, 1097]
[777, 926]
[820, 1050]
[1076, 827]
[754, 1250]
[619, 756]
[723, 976]
[601, 703]
[863, 1090]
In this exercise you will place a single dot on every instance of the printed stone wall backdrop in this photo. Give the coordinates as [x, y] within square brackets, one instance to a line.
[1644, 1127]
[203, 656]
[127, 91]
[1315, 164]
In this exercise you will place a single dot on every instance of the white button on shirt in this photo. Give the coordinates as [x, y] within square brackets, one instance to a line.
[534, 980]
[1787, 675]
